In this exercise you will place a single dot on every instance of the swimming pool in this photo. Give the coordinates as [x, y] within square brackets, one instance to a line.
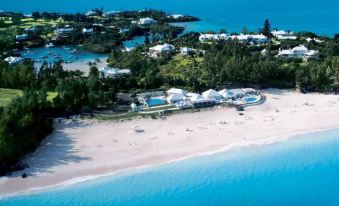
[155, 101]
[250, 99]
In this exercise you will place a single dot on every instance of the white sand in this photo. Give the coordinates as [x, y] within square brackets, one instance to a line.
[83, 65]
[78, 150]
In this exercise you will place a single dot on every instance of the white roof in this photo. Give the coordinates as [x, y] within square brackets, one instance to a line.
[176, 16]
[90, 30]
[204, 37]
[312, 52]
[236, 91]
[175, 97]
[300, 48]
[211, 94]
[224, 92]
[124, 71]
[146, 20]
[279, 32]
[186, 49]
[14, 60]
[289, 37]
[196, 97]
[176, 91]
[109, 70]
[162, 48]
[285, 52]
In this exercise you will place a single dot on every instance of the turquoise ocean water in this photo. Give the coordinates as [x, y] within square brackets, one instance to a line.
[301, 171]
[312, 15]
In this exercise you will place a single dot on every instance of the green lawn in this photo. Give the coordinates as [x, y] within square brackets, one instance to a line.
[30, 22]
[7, 95]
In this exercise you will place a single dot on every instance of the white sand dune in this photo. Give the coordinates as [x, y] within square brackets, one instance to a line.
[82, 149]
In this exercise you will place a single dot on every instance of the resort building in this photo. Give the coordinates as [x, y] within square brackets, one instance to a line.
[213, 37]
[110, 13]
[245, 38]
[65, 31]
[251, 38]
[123, 30]
[185, 51]
[87, 31]
[226, 94]
[92, 13]
[114, 72]
[212, 95]
[176, 91]
[161, 49]
[175, 98]
[21, 37]
[146, 21]
[177, 16]
[300, 52]
[283, 35]
[236, 93]
[14, 60]
[314, 39]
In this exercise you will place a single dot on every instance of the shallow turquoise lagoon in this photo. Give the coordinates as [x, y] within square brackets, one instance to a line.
[65, 53]
[301, 171]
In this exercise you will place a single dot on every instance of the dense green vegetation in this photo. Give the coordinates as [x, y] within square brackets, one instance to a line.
[233, 63]
[23, 124]
[108, 30]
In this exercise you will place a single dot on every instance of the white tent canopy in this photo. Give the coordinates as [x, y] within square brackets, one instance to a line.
[224, 93]
[196, 97]
[176, 91]
[173, 98]
[211, 94]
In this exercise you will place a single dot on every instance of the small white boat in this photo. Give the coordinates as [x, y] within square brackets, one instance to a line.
[49, 45]
[73, 51]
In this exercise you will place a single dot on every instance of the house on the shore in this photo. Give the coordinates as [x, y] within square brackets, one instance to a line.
[14, 60]
[111, 72]
[176, 91]
[110, 13]
[283, 35]
[146, 21]
[211, 94]
[253, 39]
[175, 98]
[87, 31]
[213, 37]
[159, 50]
[21, 37]
[64, 32]
[186, 51]
[299, 52]
[244, 38]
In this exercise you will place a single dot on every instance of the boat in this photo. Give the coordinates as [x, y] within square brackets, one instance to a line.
[49, 45]
[73, 51]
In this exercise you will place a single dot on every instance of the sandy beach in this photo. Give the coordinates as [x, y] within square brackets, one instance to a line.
[86, 148]
[83, 65]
